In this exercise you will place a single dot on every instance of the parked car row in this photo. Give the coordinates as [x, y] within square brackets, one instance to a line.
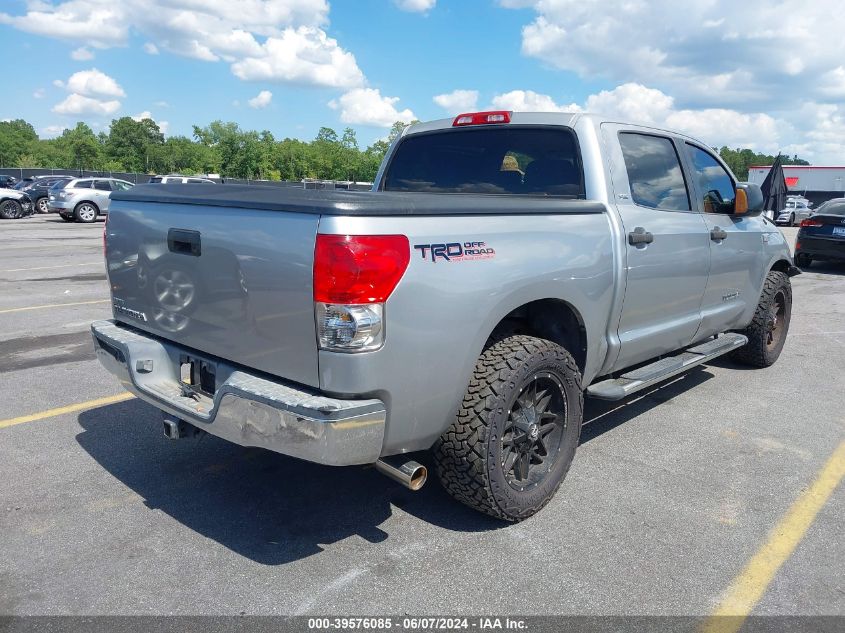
[80, 199]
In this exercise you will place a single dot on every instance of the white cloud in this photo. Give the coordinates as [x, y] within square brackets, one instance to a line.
[77, 104]
[366, 106]
[530, 101]
[305, 55]
[749, 61]
[39, 94]
[261, 100]
[82, 54]
[161, 104]
[458, 101]
[92, 83]
[415, 6]
[716, 126]
[51, 131]
[267, 40]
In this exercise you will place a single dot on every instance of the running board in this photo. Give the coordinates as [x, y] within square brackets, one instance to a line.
[648, 375]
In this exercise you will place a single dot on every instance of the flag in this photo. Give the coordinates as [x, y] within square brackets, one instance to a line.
[774, 188]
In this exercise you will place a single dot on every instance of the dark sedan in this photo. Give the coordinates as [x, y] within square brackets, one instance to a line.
[822, 235]
[39, 190]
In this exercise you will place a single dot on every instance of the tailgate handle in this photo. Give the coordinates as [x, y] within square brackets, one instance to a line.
[184, 242]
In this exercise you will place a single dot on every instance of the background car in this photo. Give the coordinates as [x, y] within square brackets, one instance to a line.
[176, 178]
[822, 236]
[39, 190]
[7, 181]
[796, 210]
[14, 204]
[84, 199]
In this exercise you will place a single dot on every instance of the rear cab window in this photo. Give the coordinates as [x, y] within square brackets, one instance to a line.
[83, 184]
[526, 160]
[654, 172]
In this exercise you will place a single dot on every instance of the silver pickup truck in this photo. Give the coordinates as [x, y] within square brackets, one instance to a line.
[504, 266]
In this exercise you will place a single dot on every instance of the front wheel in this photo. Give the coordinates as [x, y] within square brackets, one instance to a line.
[10, 209]
[767, 331]
[85, 212]
[41, 205]
[516, 431]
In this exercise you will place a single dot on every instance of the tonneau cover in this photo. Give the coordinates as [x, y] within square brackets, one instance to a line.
[342, 202]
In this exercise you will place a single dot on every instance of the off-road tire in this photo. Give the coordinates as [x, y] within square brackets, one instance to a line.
[468, 456]
[10, 209]
[760, 351]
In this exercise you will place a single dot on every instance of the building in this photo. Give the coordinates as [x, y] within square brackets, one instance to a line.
[817, 184]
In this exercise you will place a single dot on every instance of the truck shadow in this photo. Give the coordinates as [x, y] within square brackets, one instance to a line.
[825, 268]
[601, 416]
[275, 509]
[266, 507]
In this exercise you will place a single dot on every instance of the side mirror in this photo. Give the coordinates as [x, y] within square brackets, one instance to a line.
[749, 199]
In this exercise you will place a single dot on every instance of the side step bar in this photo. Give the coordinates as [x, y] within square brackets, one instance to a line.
[648, 375]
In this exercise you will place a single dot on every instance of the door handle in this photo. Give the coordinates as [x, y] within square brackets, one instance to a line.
[184, 242]
[640, 236]
[718, 234]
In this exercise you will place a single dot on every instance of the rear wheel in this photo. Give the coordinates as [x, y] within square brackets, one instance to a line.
[516, 432]
[41, 205]
[802, 260]
[767, 331]
[85, 212]
[10, 209]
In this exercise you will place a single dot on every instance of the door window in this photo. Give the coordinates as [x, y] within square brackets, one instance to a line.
[654, 172]
[715, 185]
[102, 185]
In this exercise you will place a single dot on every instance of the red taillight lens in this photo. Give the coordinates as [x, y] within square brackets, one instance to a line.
[482, 118]
[356, 269]
[809, 222]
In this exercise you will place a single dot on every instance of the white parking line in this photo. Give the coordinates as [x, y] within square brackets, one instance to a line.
[24, 270]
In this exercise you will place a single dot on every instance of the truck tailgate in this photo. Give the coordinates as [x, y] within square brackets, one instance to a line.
[232, 283]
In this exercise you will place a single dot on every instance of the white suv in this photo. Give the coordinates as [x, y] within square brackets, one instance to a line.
[176, 178]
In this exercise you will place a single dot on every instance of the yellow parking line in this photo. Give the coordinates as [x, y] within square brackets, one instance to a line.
[71, 408]
[748, 588]
[54, 305]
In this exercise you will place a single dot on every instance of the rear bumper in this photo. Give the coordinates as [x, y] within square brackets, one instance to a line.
[822, 248]
[246, 409]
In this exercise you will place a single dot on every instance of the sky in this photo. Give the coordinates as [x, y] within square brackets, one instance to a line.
[760, 74]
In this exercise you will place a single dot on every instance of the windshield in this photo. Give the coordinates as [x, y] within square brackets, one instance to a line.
[501, 160]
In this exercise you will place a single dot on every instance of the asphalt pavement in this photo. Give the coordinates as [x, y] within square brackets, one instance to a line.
[670, 495]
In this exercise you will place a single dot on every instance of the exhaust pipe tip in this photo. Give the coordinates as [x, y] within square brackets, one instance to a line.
[410, 473]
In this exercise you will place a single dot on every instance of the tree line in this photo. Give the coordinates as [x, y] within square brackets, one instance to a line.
[218, 148]
[226, 149]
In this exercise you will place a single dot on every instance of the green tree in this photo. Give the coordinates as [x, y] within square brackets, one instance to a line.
[133, 144]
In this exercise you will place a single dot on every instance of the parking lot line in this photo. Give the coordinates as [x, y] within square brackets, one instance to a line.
[748, 588]
[25, 270]
[71, 408]
[53, 305]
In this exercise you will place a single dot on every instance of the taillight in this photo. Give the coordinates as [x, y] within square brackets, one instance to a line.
[482, 118]
[353, 277]
[809, 222]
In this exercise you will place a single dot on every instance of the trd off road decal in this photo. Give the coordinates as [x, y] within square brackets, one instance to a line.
[455, 251]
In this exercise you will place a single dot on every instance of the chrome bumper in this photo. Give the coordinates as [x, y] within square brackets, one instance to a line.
[246, 409]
